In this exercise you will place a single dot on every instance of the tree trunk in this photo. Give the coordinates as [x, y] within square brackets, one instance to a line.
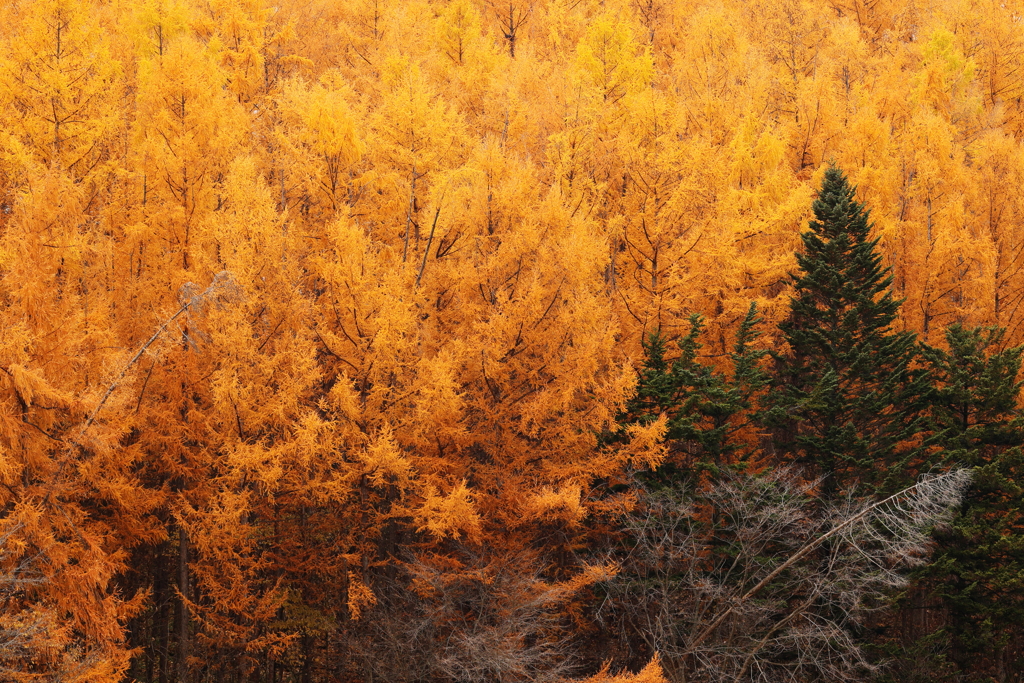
[183, 644]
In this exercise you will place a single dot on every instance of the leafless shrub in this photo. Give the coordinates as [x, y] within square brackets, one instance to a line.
[493, 621]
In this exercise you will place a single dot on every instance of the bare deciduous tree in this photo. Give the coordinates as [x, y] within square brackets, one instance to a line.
[756, 580]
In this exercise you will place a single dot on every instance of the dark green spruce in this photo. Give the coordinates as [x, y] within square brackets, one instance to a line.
[848, 396]
[705, 408]
[977, 573]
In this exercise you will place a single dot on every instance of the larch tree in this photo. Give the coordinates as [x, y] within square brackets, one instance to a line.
[314, 311]
[415, 134]
[70, 500]
[994, 205]
[317, 144]
[510, 17]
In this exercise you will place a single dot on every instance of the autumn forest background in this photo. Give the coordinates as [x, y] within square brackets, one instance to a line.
[413, 340]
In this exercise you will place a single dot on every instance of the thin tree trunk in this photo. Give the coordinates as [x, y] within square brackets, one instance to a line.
[164, 613]
[158, 618]
[183, 644]
[307, 660]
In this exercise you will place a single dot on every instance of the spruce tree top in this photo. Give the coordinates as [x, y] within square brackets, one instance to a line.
[847, 396]
[843, 288]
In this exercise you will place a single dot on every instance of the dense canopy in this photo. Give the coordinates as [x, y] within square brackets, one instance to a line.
[320, 319]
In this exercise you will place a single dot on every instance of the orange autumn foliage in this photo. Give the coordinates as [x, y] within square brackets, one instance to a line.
[295, 295]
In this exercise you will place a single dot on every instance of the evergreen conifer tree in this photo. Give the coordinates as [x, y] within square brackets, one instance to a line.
[705, 408]
[848, 397]
[978, 568]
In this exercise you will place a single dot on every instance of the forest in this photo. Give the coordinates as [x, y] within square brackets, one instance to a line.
[466, 341]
